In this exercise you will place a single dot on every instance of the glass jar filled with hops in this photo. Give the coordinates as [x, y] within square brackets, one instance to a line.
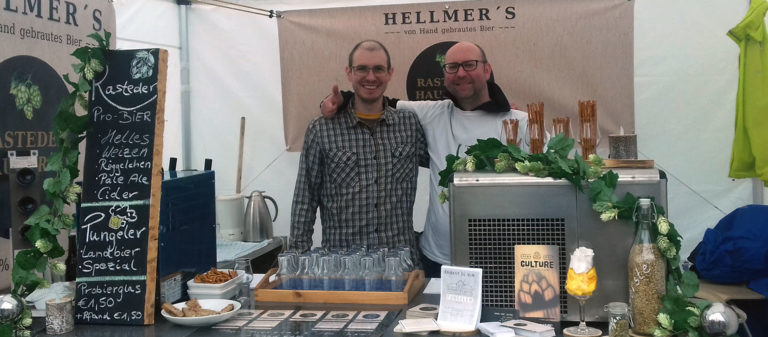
[646, 271]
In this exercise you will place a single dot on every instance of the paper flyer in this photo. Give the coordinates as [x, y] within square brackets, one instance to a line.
[537, 281]
[460, 298]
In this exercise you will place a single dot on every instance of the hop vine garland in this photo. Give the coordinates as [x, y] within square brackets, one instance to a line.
[678, 315]
[69, 130]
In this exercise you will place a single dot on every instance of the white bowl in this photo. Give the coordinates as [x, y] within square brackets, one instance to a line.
[204, 320]
[217, 293]
[208, 287]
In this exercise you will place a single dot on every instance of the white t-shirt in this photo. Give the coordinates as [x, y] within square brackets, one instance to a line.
[447, 128]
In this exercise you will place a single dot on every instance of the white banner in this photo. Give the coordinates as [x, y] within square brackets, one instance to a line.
[557, 52]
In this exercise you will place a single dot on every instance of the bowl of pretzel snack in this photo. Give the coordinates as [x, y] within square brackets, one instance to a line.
[214, 284]
[200, 312]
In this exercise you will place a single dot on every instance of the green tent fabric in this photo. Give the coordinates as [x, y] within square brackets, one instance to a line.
[750, 143]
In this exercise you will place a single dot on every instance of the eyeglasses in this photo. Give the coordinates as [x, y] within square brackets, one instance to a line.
[364, 70]
[452, 68]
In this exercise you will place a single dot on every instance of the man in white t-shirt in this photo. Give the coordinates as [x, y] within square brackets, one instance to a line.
[474, 110]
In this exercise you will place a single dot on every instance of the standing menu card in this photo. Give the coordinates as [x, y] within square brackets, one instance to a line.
[537, 281]
[460, 298]
[118, 228]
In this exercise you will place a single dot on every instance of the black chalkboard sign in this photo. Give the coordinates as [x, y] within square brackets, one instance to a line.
[118, 228]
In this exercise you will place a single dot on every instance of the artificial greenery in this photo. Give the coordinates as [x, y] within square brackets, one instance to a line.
[46, 222]
[678, 315]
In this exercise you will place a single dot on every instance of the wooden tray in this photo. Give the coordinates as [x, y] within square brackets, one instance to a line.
[265, 292]
[628, 163]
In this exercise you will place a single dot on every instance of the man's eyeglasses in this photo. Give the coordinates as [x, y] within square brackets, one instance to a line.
[364, 70]
[452, 68]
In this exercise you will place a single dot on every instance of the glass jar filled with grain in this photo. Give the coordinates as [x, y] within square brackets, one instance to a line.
[647, 271]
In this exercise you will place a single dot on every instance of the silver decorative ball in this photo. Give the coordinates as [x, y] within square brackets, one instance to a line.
[719, 320]
[11, 307]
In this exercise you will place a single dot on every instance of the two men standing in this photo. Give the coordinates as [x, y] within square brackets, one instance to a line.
[475, 109]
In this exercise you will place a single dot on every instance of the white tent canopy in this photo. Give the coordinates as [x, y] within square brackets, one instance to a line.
[686, 72]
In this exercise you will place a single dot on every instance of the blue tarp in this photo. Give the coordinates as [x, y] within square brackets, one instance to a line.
[736, 250]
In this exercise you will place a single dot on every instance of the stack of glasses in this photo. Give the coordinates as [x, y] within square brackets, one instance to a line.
[357, 269]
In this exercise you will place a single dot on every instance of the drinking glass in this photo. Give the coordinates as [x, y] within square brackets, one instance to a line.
[244, 295]
[287, 270]
[581, 283]
[350, 274]
[304, 275]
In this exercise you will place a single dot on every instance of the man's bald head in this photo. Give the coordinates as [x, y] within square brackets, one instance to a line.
[468, 87]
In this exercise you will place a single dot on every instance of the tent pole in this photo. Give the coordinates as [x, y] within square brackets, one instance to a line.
[186, 138]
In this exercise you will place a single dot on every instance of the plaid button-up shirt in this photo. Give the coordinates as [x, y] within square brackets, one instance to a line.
[362, 179]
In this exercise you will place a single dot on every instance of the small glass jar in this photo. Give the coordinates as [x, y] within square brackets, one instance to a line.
[618, 319]
[244, 294]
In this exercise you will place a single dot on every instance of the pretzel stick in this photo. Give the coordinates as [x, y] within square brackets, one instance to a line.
[536, 127]
[562, 125]
[588, 127]
[510, 130]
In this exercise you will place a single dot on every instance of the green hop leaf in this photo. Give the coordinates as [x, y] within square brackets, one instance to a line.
[602, 206]
[694, 310]
[694, 321]
[26, 322]
[690, 283]
[82, 100]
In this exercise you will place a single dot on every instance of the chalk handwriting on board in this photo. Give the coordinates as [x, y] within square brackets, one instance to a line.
[110, 242]
[116, 249]
[103, 301]
[141, 67]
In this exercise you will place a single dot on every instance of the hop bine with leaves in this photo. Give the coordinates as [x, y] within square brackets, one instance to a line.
[47, 221]
[678, 315]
